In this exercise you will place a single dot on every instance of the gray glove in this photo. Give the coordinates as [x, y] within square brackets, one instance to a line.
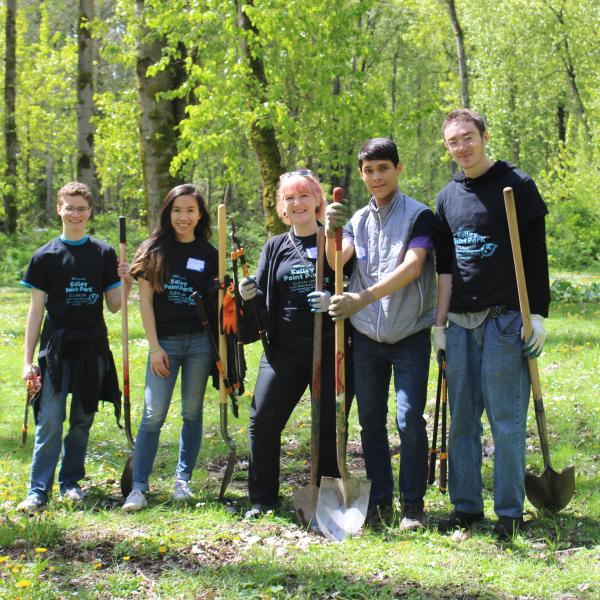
[247, 288]
[336, 215]
[319, 301]
[534, 345]
[349, 303]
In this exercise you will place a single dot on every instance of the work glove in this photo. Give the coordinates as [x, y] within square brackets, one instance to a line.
[439, 341]
[349, 303]
[319, 301]
[534, 345]
[336, 215]
[247, 288]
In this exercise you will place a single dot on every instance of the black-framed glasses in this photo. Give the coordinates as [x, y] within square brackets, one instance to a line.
[301, 172]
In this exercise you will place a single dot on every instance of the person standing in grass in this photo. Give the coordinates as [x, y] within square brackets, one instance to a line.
[69, 277]
[285, 286]
[390, 303]
[486, 363]
[176, 260]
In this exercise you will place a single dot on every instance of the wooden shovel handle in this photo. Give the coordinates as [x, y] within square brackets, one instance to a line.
[222, 249]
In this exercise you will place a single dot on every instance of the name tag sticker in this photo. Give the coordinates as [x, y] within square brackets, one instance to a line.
[195, 264]
[311, 252]
[360, 252]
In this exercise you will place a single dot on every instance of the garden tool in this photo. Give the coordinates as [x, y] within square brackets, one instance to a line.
[441, 401]
[551, 490]
[305, 498]
[343, 502]
[33, 385]
[127, 475]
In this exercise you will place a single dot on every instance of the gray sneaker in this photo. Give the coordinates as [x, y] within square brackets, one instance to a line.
[31, 504]
[73, 494]
[413, 519]
[135, 501]
[182, 491]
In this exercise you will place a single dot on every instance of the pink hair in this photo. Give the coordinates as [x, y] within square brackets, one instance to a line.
[294, 184]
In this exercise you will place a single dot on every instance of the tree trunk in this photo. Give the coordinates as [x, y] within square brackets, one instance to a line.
[10, 124]
[86, 169]
[262, 132]
[50, 200]
[463, 72]
[157, 118]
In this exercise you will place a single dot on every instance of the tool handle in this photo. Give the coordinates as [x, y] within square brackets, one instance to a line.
[443, 449]
[434, 450]
[316, 365]
[340, 367]
[534, 373]
[222, 247]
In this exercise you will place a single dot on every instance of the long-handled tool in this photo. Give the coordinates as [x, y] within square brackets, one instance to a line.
[33, 385]
[551, 490]
[433, 453]
[343, 502]
[443, 450]
[305, 498]
[238, 250]
[127, 475]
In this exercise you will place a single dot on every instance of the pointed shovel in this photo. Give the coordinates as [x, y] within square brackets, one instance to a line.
[343, 502]
[305, 498]
[551, 490]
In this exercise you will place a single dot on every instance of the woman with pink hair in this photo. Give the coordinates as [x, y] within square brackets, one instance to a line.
[284, 287]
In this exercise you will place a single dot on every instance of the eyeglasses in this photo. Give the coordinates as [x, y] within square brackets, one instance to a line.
[468, 140]
[301, 172]
[70, 210]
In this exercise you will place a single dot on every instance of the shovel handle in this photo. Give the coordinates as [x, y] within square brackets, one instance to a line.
[534, 373]
[340, 369]
[443, 445]
[436, 419]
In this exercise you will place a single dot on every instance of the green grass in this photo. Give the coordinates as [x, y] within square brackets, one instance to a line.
[204, 551]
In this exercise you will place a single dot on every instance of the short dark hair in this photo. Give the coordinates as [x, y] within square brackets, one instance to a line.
[72, 189]
[464, 114]
[378, 149]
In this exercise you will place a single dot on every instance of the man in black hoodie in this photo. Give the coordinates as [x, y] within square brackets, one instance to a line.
[486, 363]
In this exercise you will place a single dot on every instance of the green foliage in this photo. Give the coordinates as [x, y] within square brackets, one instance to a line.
[565, 291]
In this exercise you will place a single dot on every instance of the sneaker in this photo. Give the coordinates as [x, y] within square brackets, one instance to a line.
[507, 527]
[31, 504]
[135, 501]
[379, 516]
[182, 491]
[73, 494]
[458, 519]
[414, 518]
[258, 510]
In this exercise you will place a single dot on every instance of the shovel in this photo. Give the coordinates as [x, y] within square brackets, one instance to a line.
[127, 475]
[343, 502]
[551, 490]
[305, 498]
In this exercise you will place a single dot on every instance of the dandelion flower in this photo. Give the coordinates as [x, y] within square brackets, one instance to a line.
[41, 550]
[23, 583]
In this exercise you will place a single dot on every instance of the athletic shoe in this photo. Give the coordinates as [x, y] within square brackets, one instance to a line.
[458, 519]
[258, 510]
[31, 504]
[414, 518]
[182, 491]
[506, 527]
[73, 494]
[135, 501]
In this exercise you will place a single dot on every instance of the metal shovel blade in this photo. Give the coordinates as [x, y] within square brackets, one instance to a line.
[127, 477]
[342, 506]
[551, 490]
[305, 501]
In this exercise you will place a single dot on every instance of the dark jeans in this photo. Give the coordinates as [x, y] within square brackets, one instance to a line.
[279, 387]
[373, 366]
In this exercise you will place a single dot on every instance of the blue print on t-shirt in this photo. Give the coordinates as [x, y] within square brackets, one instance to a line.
[80, 292]
[301, 279]
[470, 244]
[178, 290]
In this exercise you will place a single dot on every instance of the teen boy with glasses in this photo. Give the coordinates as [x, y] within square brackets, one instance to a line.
[486, 362]
[390, 303]
[68, 278]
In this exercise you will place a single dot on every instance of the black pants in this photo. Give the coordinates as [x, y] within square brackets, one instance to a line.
[279, 387]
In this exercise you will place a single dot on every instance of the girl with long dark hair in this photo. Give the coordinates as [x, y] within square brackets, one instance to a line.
[176, 260]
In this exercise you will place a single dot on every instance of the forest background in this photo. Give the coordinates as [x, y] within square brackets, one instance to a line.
[134, 96]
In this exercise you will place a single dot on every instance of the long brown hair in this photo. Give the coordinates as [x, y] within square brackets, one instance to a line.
[152, 257]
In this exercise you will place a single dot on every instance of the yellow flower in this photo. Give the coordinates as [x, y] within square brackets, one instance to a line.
[23, 583]
[41, 550]
[4, 559]
[162, 549]
[97, 565]
[126, 558]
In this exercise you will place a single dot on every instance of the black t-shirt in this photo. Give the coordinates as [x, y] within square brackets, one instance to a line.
[74, 276]
[191, 267]
[473, 243]
[295, 262]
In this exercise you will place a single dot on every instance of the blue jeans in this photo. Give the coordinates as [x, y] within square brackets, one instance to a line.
[486, 370]
[373, 365]
[192, 353]
[48, 436]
